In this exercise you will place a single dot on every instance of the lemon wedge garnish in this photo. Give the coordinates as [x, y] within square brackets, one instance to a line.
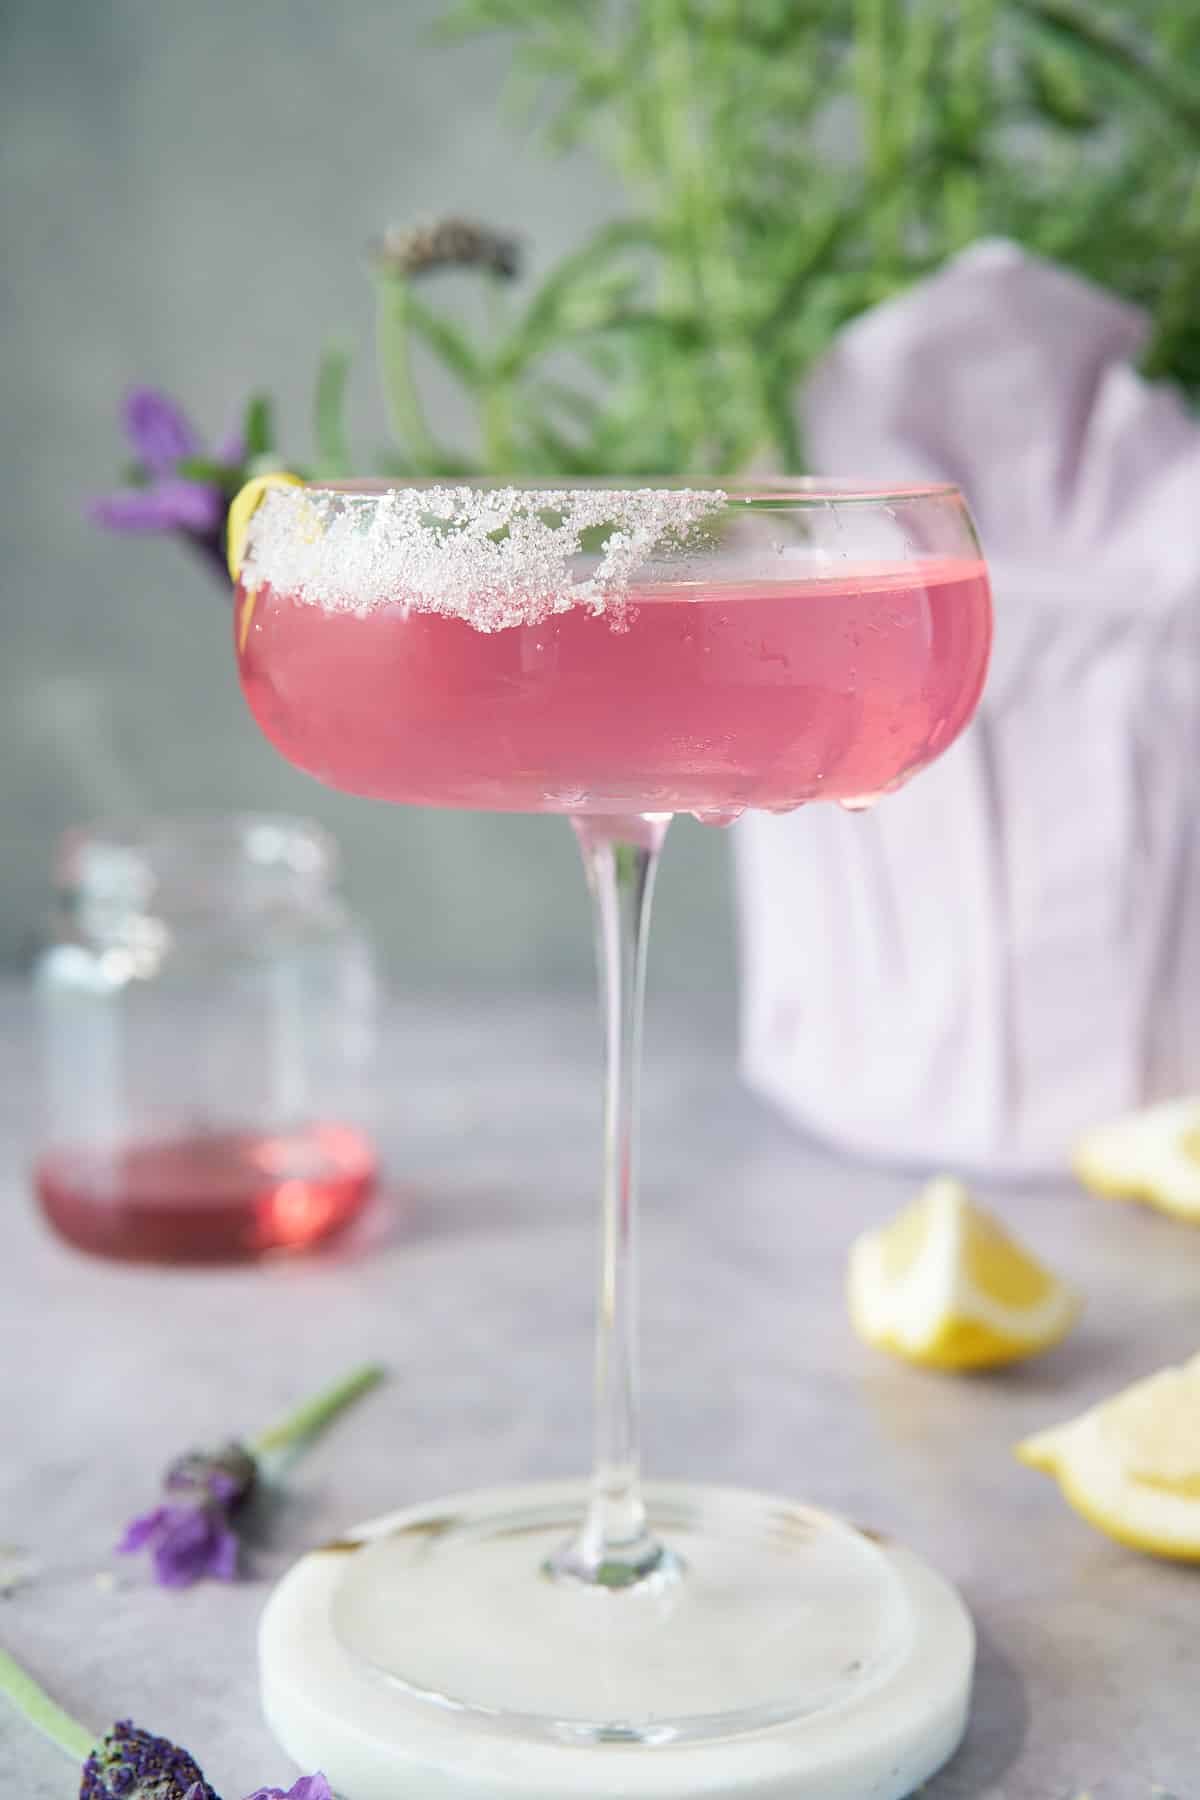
[242, 509]
[1152, 1155]
[1131, 1466]
[237, 525]
[946, 1286]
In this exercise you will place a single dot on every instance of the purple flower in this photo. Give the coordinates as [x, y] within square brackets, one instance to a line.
[309, 1787]
[130, 1764]
[127, 1763]
[191, 1533]
[171, 504]
[187, 1543]
[162, 437]
[191, 1536]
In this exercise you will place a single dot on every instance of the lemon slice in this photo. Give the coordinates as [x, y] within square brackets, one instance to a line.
[946, 1286]
[1131, 1466]
[1153, 1155]
[237, 525]
[242, 509]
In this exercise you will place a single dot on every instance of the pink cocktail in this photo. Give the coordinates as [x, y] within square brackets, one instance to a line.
[707, 699]
[621, 656]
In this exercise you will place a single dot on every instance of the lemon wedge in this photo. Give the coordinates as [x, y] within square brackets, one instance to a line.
[1131, 1466]
[242, 509]
[1152, 1155]
[237, 525]
[946, 1286]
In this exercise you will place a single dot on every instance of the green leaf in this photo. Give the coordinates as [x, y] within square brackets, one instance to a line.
[582, 293]
[396, 467]
[329, 402]
[406, 413]
[1175, 341]
[548, 451]
[258, 426]
[813, 254]
[1099, 37]
[227, 476]
[448, 341]
[1061, 91]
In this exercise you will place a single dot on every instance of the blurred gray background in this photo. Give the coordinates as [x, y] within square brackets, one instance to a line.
[185, 195]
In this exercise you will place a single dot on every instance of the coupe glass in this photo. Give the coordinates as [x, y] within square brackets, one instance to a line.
[618, 655]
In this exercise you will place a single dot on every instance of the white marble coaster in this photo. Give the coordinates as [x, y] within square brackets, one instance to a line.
[374, 1742]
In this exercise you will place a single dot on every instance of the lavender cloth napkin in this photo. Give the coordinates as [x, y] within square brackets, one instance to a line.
[1008, 950]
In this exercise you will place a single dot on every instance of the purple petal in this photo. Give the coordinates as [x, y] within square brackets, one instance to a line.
[193, 506]
[309, 1787]
[138, 509]
[139, 1531]
[170, 505]
[223, 1560]
[158, 430]
[190, 1546]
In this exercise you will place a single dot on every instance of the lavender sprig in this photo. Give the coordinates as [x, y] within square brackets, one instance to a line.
[164, 493]
[192, 1533]
[128, 1763]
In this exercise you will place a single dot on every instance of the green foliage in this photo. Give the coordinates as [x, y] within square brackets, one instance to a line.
[258, 427]
[789, 163]
[333, 460]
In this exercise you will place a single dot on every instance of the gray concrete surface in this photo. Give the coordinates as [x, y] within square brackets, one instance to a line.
[472, 1278]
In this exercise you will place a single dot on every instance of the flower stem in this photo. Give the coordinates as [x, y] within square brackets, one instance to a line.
[310, 1418]
[36, 1705]
[406, 414]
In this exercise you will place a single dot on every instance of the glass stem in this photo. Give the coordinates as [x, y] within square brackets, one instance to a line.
[615, 1547]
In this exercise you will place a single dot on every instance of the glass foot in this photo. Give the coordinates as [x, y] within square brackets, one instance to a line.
[764, 1612]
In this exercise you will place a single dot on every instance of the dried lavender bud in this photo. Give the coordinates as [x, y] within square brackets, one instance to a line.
[446, 243]
[227, 1475]
[130, 1764]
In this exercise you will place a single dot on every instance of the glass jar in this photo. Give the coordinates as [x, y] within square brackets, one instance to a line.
[206, 1013]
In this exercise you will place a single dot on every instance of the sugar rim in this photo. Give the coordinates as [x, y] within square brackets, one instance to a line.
[495, 556]
[498, 555]
[794, 490]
